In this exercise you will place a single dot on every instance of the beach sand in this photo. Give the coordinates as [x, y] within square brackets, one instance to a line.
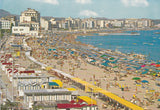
[108, 80]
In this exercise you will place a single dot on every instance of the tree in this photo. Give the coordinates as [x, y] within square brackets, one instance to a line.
[37, 106]
[11, 27]
[8, 105]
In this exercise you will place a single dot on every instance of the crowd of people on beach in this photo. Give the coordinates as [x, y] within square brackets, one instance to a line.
[129, 76]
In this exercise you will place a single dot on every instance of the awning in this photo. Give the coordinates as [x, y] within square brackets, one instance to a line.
[108, 94]
[64, 106]
[53, 84]
[6, 63]
[58, 82]
[88, 87]
[121, 100]
[71, 89]
[88, 100]
[31, 71]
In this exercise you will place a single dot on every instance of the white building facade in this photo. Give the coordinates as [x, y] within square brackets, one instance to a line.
[29, 23]
[20, 30]
[5, 24]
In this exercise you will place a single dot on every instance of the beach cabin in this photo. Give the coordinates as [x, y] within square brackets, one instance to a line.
[30, 96]
[22, 86]
[63, 105]
[29, 78]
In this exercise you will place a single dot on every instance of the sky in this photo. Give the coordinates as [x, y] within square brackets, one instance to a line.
[87, 8]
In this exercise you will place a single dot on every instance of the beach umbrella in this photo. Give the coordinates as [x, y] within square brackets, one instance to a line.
[102, 55]
[144, 72]
[55, 55]
[144, 81]
[152, 90]
[153, 64]
[157, 71]
[93, 61]
[136, 78]
[158, 65]
[153, 74]
[137, 68]
[112, 58]
[113, 62]
[95, 55]
[107, 61]
[49, 49]
[128, 69]
[158, 62]
[72, 52]
[143, 65]
[146, 69]
[138, 85]
[89, 55]
[134, 67]
[104, 64]
[115, 66]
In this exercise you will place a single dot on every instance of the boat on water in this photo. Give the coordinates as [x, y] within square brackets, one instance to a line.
[124, 34]
[102, 34]
[157, 32]
[132, 33]
[135, 43]
[148, 43]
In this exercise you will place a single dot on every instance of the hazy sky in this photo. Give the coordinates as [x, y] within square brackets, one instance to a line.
[87, 8]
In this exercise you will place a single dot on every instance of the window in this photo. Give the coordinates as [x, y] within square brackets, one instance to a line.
[21, 29]
[15, 29]
[38, 98]
[53, 97]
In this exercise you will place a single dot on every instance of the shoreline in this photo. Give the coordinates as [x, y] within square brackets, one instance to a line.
[89, 45]
[115, 32]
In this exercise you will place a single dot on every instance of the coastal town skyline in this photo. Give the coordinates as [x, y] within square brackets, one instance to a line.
[87, 8]
[70, 63]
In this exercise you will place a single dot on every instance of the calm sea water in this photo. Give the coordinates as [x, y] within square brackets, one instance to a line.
[147, 43]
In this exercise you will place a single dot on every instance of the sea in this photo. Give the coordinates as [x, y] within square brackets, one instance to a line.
[147, 43]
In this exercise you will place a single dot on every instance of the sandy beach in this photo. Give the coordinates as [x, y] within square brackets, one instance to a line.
[111, 79]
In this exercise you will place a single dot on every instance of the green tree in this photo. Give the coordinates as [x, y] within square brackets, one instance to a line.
[11, 27]
[9, 105]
